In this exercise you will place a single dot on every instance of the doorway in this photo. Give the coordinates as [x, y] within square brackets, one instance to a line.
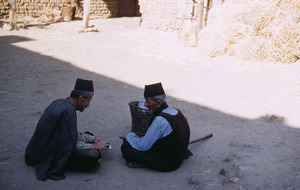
[128, 8]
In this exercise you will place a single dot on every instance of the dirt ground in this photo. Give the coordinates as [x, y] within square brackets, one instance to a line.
[252, 108]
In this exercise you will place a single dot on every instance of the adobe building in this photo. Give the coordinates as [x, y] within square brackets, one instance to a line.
[155, 14]
[99, 8]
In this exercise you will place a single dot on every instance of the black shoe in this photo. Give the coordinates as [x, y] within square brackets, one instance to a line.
[96, 167]
[188, 154]
[134, 165]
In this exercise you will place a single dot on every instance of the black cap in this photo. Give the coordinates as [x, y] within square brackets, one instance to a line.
[153, 90]
[84, 85]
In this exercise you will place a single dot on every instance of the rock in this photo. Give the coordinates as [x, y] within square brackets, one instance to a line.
[231, 180]
[200, 180]
[290, 188]
[4, 158]
[237, 155]
[37, 113]
[273, 118]
[93, 29]
[229, 159]
[234, 179]
[196, 180]
[7, 26]
[224, 171]
[243, 168]
[250, 145]
[20, 25]
[58, 19]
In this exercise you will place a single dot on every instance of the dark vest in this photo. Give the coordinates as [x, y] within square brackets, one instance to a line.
[175, 144]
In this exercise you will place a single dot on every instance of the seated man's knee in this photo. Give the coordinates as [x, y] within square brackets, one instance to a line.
[127, 150]
[90, 153]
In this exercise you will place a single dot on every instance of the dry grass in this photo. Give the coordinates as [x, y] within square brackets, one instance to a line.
[266, 30]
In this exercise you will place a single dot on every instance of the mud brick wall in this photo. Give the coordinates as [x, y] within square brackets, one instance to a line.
[35, 8]
[158, 14]
[103, 8]
[168, 14]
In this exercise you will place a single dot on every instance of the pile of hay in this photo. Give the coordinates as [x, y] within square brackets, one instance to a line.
[266, 30]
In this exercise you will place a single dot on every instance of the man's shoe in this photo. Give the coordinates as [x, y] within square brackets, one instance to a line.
[188, 154]
[96, 167]
[135, 165]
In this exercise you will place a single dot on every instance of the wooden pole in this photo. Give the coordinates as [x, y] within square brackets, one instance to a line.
[199, 20]
[208, 7]
[183, 18]
[12, 14]
[86, 13]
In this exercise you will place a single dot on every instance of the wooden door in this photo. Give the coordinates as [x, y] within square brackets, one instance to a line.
[128, 8]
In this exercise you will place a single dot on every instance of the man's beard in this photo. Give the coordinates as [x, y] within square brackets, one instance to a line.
[81, 107]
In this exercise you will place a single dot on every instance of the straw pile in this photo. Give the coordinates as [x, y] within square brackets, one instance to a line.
[266, 30]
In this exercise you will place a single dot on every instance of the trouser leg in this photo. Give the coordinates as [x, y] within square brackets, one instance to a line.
[82, 162]
[149, 158]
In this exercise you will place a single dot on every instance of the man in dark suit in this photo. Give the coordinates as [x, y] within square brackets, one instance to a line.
[54, 146]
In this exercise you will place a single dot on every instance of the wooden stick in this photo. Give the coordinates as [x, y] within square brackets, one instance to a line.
[201, 139]
[183, 18]
[208, 7]
[12, 14]
[199, 20]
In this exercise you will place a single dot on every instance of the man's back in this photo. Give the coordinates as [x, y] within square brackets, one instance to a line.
[53, 140]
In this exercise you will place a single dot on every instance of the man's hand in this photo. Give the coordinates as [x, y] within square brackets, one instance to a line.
[100, 144]
[98, 139]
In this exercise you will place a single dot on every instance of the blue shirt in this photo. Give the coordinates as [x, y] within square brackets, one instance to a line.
[159, 128]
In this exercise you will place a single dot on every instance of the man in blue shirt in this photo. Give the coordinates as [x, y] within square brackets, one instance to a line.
[165, 143]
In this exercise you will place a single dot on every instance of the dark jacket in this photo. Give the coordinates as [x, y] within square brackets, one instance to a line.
[53, 141]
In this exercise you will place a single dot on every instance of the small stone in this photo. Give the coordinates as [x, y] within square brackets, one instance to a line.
[4, 158]
[290, 188]
[237, 155]
[20, 25]
[7, 27]
[231, 180]
[243, 168]
[250, 145]
[86, 30]
[229, 159]
[273, 118]
[37, 113]
[196, 180]
[38, 92]
[200, 180]
[234, 179]
[224, 171]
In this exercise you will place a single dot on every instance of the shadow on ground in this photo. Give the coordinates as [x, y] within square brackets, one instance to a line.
[30, 81]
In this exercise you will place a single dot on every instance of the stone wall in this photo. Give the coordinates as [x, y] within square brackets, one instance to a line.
[36, 8]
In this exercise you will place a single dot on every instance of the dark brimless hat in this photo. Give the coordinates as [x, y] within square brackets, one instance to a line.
[84, 85]
[153, 90]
